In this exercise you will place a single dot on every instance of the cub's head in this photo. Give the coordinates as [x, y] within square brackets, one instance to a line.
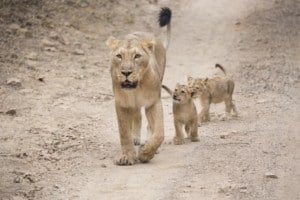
[197, 85]
[182, 94]
[129, 60]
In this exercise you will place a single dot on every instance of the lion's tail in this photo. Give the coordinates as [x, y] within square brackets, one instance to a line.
[167, 89]
[164, 19]
[221, 68]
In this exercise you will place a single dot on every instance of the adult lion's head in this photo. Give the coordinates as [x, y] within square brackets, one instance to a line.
[129, 60]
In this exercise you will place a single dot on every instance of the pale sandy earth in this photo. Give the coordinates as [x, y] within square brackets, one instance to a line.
[58, 128]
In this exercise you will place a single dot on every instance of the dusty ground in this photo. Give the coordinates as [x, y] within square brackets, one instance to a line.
[58, 130]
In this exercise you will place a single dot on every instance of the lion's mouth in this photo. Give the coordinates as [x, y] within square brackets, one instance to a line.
[175, 98]
[129, 85]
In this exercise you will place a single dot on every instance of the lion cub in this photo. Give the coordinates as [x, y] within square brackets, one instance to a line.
[184, 112]
[215, 90]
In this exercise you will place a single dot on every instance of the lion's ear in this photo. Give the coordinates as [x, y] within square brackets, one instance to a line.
[112, 42]
[148, 45]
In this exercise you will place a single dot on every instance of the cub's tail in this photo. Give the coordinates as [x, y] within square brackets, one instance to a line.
[167, 89]
[164, 19]
[221, 68]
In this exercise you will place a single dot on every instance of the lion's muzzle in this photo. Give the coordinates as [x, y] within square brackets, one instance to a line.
[175, 98]
[129, 85]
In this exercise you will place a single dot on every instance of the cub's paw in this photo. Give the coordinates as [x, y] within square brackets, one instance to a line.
[178, 141]
[124, 159]
[234, 114]
[136, 141]
[145, 155]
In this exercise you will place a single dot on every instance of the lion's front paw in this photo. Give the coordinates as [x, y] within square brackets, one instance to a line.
[195, 139]
[124, 159]
[144, 154]
[178, 141]
[225, 117]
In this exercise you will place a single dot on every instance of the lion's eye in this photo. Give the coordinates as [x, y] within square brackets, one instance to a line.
[137, 56]
[119, 56]
[182, 91]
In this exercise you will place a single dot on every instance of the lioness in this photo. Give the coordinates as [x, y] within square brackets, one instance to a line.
[214, 90]
[184, 113]
[137, 70]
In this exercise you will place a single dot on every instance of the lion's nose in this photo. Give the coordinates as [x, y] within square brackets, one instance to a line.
[126, 73]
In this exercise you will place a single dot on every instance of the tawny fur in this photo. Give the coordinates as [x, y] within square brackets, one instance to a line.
[137, 69]
[214, 90]
[184, 113]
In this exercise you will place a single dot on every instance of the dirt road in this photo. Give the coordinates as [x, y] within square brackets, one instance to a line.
[60, 135]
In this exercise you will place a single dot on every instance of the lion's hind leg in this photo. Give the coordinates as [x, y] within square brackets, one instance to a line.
[194, 130]
[204, 114]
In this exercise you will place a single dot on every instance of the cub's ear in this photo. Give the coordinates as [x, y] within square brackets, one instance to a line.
[204, 82]
[148, 45]
[112, 42]
[189, 79]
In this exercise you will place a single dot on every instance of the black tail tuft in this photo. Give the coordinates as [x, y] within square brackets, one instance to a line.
[164, 16]
[218, 65]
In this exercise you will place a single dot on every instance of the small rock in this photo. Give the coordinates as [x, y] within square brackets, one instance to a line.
[17, 180]
[32, 56]
[14, 82]
[48, 43]
[31, 64]
[223, 136]
[41, 79]
[103, 166]
[11, 112]
[29, 178]
[83, 4]
[237, 23]
[14, 56]
[14, 27]
[107, 98]
[261, 101]
[50, 49]
[63, 40]
[78, 52]
[56, 186]
[271, 175]
[25, 32]
[225, 189]
[243, 189]
[22, 155]
[53, 35]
